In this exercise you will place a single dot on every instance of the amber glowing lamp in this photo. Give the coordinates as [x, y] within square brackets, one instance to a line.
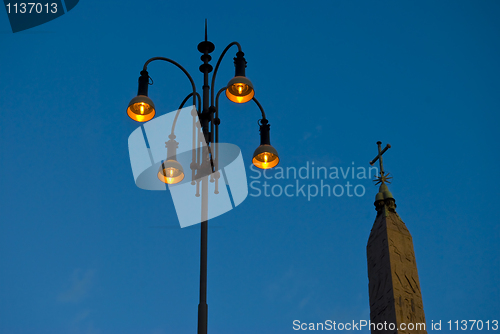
[265, 156]
[171, 172]
[141, 108]
[240, 90]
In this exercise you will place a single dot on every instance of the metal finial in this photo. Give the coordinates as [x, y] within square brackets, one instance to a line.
[206, 35]
[383, 178]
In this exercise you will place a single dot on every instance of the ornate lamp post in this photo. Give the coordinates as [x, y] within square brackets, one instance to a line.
[205, 158]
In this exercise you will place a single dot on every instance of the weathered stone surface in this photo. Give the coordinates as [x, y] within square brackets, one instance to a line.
[394, 288]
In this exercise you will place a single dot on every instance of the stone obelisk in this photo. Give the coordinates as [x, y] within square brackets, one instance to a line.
[394, 287]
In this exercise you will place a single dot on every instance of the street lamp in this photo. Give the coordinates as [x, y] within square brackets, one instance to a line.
[205, 158]
[240, 88]
[141, 108]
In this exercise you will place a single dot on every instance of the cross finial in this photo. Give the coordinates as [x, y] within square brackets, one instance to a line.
[383, 178]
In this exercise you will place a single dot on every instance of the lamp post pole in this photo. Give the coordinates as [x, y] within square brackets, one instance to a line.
[205, 48]
[239, 90]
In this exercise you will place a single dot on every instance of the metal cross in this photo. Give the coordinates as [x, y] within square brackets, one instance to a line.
[382, 178]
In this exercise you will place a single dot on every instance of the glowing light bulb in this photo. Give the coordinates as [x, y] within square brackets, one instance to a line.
[170, 172]
[265, 158]
[141, 108]
[239, 90]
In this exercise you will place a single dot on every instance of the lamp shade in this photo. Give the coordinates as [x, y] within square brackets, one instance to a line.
[265, 157]
[171, 172]
[141, 108]
[240, 89]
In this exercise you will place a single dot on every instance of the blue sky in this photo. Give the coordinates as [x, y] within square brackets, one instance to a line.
[83, 250]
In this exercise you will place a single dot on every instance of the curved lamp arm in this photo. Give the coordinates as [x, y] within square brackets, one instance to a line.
[217, 101]
[172, 135]
[180, 107]
[145, 68]
[260, 107]
[217, 104]
[217, 67]
[217, 121]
